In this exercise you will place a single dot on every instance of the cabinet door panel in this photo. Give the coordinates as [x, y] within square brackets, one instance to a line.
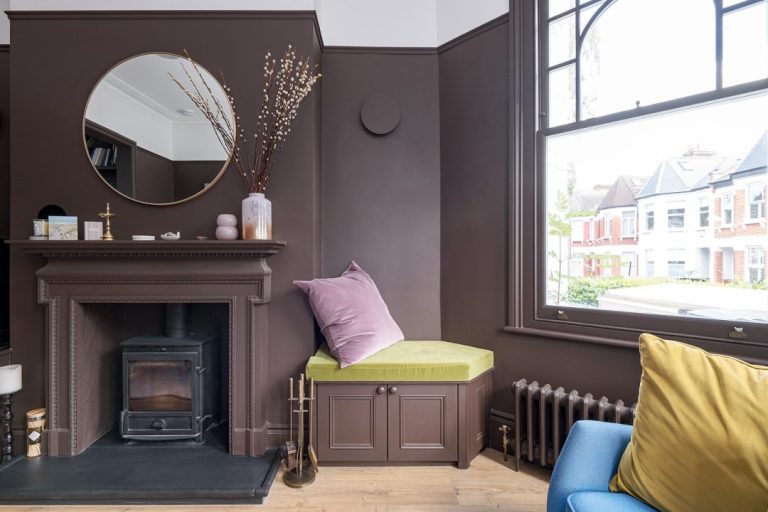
[351, 422]
[423, 422]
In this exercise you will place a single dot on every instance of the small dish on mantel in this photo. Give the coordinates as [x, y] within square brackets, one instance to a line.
[144, 238]
[171, 235]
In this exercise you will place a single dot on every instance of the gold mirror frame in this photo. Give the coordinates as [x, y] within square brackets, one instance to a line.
[211, 184]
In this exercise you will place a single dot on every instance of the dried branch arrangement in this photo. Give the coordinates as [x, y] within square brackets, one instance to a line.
[287, 82]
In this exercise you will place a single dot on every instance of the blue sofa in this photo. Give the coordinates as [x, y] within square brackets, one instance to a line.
[587, 463]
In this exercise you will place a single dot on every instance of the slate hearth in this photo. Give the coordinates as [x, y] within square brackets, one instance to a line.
[111, 471]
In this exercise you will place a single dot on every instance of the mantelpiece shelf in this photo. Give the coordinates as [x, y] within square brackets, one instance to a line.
[155, 248]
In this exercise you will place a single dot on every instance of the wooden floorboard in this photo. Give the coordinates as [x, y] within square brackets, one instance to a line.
[488, 484]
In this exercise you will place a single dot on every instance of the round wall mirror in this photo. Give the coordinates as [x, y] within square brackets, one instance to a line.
[144, 136]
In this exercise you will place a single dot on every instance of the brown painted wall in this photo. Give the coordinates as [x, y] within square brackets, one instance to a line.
[189, 176]
[474, 103]
[5, 161]
[57, 60]
[152, 177]
[381, 194]
[5, 197]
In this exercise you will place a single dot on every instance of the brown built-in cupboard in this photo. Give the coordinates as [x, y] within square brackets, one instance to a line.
[403, 422]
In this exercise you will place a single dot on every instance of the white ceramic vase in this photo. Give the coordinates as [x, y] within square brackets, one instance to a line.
[257, 217]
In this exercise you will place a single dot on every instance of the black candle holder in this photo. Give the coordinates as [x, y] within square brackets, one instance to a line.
[7, 402]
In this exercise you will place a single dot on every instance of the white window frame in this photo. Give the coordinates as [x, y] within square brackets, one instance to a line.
[760, 204]
[632, 225]
[675, 206]
[650, 260]
[679, 261]
[704, 204]
[650, 214]
[726, 204]
[758, 265]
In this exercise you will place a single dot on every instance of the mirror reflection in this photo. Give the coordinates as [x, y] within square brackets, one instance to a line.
[145, 137]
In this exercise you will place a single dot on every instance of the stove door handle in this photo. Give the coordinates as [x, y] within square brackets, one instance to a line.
[200, 370]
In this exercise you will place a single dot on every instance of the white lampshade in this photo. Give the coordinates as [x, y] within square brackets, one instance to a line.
[10, 379]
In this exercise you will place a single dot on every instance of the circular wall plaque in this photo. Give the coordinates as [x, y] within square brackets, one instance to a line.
[380, 114]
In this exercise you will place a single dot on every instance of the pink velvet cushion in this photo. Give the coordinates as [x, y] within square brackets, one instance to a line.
[352, 315]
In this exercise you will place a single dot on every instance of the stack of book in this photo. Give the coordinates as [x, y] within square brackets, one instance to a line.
[103, 157]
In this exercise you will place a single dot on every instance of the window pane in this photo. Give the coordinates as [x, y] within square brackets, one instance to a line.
[562, 94]
[562, 40]
[653, 171]
[641, 52]
[558, 6]
[745, 44]
[587, 13]
[756, 201]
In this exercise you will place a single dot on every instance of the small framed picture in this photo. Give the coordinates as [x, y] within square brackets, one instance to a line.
[93, 230]
[62, 228]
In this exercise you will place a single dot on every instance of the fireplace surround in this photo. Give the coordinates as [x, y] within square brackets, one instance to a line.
[77, 274]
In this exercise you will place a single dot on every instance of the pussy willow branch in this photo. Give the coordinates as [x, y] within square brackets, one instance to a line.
[287, 82]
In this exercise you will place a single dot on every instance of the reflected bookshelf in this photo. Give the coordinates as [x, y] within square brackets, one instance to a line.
[112, 155]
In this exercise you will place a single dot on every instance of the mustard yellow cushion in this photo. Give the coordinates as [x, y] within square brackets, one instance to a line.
[700, 438]
[406, 361]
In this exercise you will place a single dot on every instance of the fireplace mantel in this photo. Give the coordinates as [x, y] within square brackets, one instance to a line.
[77, 273]
[149, 249]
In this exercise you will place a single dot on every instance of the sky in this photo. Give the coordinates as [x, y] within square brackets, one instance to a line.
[649, 58]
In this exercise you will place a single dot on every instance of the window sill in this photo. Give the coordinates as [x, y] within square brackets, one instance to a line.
[596, 340]
[633, 345]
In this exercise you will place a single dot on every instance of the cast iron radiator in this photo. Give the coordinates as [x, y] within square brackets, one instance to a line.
[544, 416]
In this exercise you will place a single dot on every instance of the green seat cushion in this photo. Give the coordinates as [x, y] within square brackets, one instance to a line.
[406, 361]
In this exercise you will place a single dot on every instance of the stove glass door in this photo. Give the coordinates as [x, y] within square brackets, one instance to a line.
[160, 385]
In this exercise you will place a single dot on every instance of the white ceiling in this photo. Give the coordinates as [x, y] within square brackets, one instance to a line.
[398, 23]
[147, 79]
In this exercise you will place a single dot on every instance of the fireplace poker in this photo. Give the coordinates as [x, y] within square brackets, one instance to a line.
[300, 432]
[290, 447]
[311, 446]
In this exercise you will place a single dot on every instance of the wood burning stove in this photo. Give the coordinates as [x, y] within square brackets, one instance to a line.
[170, 383]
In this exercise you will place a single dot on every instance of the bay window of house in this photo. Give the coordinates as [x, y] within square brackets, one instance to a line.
[649, 218]
[676, 216]
[603, 90]
[756, 201]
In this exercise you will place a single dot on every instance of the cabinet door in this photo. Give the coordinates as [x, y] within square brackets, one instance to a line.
[423, 422]
[352, 422]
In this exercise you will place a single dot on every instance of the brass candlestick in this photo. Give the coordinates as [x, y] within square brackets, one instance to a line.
[107, 232]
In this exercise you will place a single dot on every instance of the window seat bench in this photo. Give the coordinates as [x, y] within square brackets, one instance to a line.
[416, 401]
